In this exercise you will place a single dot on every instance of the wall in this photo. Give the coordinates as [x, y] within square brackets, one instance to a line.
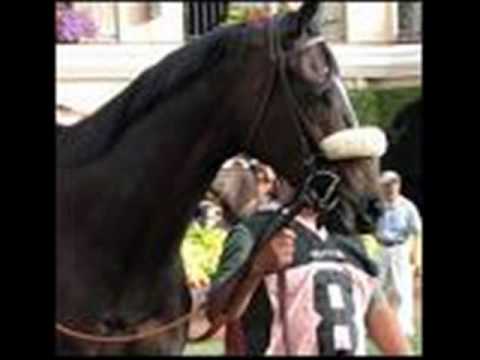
[88, 75]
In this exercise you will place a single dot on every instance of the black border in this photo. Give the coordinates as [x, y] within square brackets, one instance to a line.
[36, 333]
[33, 30]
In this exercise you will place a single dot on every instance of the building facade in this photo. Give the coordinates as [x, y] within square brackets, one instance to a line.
[377, 44]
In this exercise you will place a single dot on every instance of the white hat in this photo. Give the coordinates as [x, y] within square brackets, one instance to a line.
[389, 176]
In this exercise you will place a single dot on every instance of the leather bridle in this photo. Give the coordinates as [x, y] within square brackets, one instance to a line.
[310, 193]
[314, 160]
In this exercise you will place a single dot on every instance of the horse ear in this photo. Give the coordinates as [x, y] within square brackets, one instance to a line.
[309, 18]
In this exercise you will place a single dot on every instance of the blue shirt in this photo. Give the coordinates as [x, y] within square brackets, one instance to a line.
[399, 221]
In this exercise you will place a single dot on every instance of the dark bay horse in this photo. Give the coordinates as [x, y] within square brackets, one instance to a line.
[129, 176]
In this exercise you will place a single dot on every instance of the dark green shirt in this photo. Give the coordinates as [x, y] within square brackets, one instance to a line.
[237, 248]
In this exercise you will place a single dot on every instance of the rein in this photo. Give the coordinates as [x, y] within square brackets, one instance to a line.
[123, 339]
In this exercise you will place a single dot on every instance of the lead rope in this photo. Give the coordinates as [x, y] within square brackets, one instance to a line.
[282, 303]
[128, 338]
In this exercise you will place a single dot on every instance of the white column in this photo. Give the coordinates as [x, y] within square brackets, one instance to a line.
[137, 26]
[294, 5]
[168, 26]
[372, 22]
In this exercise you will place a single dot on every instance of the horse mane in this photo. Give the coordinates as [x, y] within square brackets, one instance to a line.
[96, 134]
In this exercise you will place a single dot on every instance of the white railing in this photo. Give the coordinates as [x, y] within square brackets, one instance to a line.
[89, 75]
[123, 62]
[99, 62]
[379, 61]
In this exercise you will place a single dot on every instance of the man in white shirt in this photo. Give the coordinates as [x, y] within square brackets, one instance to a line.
[399, 230]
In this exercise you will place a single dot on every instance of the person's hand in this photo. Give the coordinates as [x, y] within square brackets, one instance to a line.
[199, 283]
[276, 255]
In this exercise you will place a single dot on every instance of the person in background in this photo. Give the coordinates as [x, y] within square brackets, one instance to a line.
[265, 178]
[399, 233]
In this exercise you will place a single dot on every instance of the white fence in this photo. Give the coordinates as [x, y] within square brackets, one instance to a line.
[89, 75]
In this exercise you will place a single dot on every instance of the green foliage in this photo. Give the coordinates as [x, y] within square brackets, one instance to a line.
[372, 246]
[238, 14]
[201, 250]
[211, 347]
[379, 106]
[365, 104]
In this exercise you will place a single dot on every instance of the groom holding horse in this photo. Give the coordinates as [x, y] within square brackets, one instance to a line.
[333, 299]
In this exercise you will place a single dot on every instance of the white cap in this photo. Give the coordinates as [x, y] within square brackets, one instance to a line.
[389, 176]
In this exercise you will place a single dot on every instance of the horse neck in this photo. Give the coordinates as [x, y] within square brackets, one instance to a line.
[164, 166]
[136, 202]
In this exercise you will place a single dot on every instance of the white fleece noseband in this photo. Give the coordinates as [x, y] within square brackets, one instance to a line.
[354, 143]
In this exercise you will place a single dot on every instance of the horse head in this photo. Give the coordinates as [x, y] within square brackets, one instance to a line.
[298, 95]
